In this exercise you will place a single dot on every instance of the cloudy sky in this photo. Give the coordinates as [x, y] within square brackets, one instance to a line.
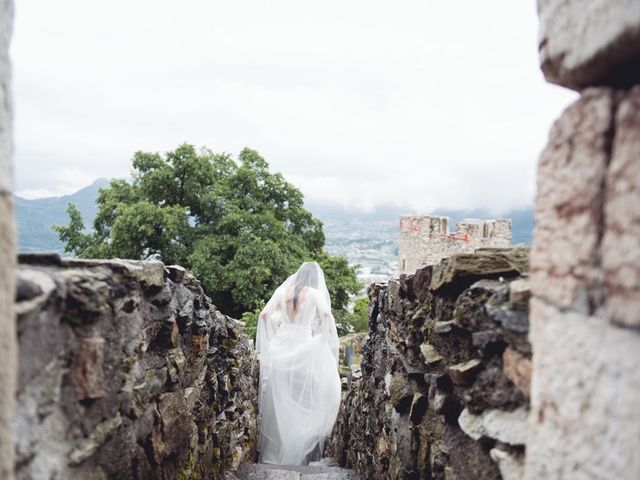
[428, 103]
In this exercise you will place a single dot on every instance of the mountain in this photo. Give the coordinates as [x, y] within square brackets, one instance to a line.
[522, 221]
[370, 239]
[367, 238]
[35, 217]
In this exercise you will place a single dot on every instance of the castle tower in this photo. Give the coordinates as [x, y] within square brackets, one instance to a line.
[425, 239]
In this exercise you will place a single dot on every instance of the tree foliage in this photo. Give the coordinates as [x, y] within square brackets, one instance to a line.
[240, 228]
[360, 316]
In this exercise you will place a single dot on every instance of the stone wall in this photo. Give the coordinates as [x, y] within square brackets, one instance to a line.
[425, 240]
[128, 371]
[8, 346]
[444, 382]
[585, 262]
[589, 42]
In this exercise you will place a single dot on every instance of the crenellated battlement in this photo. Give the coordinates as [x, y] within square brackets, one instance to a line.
[425, 239]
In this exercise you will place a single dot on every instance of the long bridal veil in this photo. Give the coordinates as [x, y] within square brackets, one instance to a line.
[297, 343]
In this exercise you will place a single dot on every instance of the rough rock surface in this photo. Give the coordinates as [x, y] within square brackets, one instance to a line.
[126, 373]
[585, 393]
[8, 344]
[571, 183]
[434, 357]
[590, 42]
[585, 282]
[621, 230]
[585, 256]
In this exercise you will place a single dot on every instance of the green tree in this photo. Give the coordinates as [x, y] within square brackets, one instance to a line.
[360, 316]
[72, 235]
[240, 228]
[341, 283]
[250, 320]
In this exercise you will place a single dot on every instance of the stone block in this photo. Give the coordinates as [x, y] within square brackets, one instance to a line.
[168, 333]
[485, 263]
[6, 103]
[511, 466]
[88, 372]
[507, 427]
[119, 396]
[585, 390]
[519, 294]
[400, 393]
[430, 354]
[175, 272]
[464, 373]
[444, 403]
[586, 252]
[88, 446]
[444, 327]
[8, 347]
[421, 281]
[177, 425]
[502, 312]
[589, 42]
[517, 368]
[484, 339]
[199, 346]
[86, 296]
[571, 176]
[621, 241]
[8, 343]
[418, 408]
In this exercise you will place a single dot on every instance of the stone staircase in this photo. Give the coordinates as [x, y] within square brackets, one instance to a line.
[315, 471]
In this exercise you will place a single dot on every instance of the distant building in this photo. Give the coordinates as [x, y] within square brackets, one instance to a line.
[425, 240]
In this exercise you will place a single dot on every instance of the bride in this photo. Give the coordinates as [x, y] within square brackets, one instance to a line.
[297, 343]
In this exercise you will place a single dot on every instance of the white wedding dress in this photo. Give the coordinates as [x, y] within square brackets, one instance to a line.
[297, 342]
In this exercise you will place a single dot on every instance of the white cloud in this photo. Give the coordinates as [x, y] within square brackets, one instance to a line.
[59, 182]
[37, 193]
[433, 104]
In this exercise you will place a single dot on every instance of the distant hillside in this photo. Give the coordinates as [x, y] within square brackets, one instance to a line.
[370, 239]
[344, 229]
[35, 217]
[389, 215]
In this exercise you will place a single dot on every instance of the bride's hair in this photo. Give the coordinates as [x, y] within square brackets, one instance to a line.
[307, 277]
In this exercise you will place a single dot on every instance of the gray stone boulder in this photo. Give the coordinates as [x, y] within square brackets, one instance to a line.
[128, 371]
[444, 380]
[590, 42]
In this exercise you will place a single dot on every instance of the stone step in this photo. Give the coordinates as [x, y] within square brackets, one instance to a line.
[261, 471]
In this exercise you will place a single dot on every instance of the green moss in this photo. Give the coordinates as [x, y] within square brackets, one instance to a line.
[229, 344]
[427, 330]
[357, 360]
[216, 453]
[193, 469]
[425, 308]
